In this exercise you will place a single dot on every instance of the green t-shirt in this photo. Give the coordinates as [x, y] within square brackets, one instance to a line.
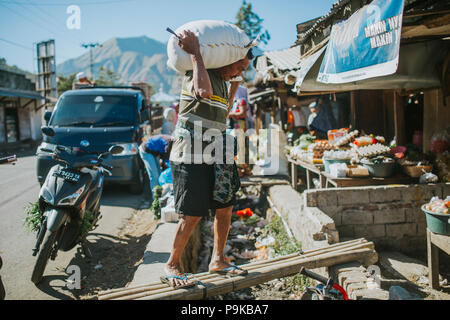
[198, 118]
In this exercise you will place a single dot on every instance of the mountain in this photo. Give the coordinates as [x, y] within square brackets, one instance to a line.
[133, 59]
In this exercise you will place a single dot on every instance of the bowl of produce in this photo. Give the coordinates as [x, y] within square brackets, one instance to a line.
[438, 215]
[380, 167]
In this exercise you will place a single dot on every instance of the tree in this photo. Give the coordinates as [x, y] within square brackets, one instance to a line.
[251, 23]
[107, 77]
[65, 83]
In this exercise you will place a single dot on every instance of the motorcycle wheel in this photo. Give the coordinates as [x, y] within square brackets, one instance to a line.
[44, 255]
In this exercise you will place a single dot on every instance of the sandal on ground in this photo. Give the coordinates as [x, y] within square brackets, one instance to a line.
[166, 280]
[231, 271]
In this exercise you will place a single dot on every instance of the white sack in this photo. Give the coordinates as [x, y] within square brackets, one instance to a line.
[221, 44]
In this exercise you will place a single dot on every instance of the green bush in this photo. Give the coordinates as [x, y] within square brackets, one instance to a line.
[33, 217]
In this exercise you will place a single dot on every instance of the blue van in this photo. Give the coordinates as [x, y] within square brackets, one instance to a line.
[94, 119]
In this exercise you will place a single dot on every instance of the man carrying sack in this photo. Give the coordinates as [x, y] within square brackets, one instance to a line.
[198, 186]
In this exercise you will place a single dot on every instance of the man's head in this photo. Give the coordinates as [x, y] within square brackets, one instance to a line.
[313, 107]
[81, 77]
[235, 69]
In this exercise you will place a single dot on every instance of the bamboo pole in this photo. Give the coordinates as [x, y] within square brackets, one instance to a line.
[207, 275]
[216, 284]
[262, 275]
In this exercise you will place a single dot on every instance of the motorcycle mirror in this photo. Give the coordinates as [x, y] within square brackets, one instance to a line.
[115, 149]
[48, 131]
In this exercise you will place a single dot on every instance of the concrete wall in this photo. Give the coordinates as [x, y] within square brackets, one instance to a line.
[390, 216]
[312, 227]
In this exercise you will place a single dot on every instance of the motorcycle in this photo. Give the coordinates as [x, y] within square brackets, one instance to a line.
[10, 159]
[69, 200]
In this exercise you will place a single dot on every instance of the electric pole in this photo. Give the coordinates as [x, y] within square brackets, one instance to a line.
[91, 46]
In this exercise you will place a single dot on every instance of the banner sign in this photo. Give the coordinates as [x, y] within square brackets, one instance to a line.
[364, 46]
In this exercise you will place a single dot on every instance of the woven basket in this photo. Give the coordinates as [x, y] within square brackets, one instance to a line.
[416, 171]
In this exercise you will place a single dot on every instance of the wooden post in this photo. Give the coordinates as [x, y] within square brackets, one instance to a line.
[433, 262]
[258, 118]
[399, 119]
[353, 109]
[294, 175]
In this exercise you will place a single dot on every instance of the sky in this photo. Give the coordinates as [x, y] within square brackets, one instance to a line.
[23, 23]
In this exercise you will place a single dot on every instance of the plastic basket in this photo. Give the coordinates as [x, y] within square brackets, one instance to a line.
[438, 223]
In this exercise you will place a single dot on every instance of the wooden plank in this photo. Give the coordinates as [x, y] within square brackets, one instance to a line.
[441, 241]
[369, 181]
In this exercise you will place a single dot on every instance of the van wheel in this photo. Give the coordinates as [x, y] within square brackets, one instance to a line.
[138, 186]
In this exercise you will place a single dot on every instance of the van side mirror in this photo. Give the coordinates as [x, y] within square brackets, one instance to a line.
[47, 116]
[48, 131]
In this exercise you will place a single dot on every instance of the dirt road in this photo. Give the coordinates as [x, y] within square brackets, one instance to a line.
[18, 187]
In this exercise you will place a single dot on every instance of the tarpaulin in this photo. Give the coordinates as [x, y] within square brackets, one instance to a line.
[364, 46]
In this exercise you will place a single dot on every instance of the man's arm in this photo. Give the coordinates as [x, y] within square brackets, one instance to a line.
[202, 83]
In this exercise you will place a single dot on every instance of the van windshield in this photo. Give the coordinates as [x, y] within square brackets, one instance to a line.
[95, 110]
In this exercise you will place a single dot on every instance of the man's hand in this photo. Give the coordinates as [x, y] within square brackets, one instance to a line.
[189, 42]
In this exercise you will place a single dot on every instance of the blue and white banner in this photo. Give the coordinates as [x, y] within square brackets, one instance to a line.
[364, 46]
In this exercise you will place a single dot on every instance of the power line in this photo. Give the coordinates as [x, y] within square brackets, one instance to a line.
[67, 4]
[16, 44]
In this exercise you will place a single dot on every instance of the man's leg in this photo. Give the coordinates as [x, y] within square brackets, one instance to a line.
[185, 228]
[221, 228]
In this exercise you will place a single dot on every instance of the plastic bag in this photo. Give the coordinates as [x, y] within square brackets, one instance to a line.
[221, 44]
[165, 177]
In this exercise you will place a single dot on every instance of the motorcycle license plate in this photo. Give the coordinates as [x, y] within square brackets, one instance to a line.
[67, 175]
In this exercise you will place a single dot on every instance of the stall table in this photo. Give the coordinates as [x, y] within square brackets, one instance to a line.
[309, 168]
[364, 181]
[434, 243]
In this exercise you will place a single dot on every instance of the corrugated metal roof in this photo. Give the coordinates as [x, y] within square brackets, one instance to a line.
[285, 60]
[7, 92]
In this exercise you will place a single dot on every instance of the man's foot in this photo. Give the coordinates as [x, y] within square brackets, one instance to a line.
[176, 278]
[227, 269]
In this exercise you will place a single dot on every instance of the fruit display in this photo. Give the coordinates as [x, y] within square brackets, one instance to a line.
[437, 205]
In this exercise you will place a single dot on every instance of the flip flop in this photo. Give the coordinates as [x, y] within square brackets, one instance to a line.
[229, 271]
[166, 280]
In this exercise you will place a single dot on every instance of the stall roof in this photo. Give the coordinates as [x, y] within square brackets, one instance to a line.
[28, 94]
[255, 97]
[412, 72]
[273, 65]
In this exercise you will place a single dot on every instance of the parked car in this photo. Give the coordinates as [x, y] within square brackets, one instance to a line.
[97, 118]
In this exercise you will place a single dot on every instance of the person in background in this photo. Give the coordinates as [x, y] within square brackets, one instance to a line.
[313, 107]
[238, 114]
[168, 126]
[297, 121]
[154, 151]
[324, 121]
[81, 80]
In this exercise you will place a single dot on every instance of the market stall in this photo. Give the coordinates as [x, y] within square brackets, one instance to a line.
[350, 158]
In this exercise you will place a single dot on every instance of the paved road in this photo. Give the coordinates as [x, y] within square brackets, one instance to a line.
[18, 187]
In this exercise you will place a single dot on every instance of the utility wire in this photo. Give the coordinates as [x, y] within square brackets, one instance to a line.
[67, 4]
[16, 44]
